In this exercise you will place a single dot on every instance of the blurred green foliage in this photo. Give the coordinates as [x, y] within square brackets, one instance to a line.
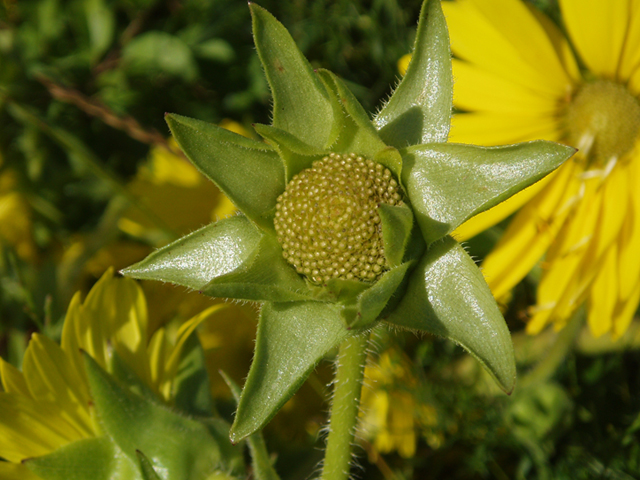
[84, 85]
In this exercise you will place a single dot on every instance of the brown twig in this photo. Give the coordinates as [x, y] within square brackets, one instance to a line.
[97, 109]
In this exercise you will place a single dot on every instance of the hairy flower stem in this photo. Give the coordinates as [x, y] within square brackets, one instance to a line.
[344, 408]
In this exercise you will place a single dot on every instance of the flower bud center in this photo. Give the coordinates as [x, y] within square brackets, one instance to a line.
[603, 121]
[327, 219]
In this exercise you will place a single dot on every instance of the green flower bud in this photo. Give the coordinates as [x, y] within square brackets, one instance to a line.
[327, 220]
[367, 233]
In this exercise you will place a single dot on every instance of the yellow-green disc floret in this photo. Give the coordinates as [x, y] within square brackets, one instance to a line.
[327, 220]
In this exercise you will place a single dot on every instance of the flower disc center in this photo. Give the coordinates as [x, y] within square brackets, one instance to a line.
[603, 121]
[327, 219]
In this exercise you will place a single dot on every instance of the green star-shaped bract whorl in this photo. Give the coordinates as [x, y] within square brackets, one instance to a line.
[429, 283]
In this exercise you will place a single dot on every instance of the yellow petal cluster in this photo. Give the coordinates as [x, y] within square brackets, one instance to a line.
[390, 413]
[48, 404]
[518, 78]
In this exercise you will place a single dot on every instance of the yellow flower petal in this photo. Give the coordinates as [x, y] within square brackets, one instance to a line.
[630, 59]
[625, 311]
[185, 331]
[604, 293]
[158, 353]
[16, 225]
[634, 82]
[235, 127]
[402, 423]
[629, 238]
[403, 64]
[167, 167]
[560, 43]
[561, 286]
[16, 471]
[476, 89]
[224, 208]
[496, 129]
[530, 233]
[12, 379]
[487, 219]
[51, 377]
[517, 50]
[598, 31]
[30, 429]
[120, 323]
[614, 211]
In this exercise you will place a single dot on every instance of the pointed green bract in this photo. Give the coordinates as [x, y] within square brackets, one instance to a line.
[357, 133]
[292, 338]
[449, 183]
[179, 446]
[71, 462]
[148, 473]
[295, 154]
[193, 261]
[397, 223]
[250, 173]
[300, 103]
[371, 302]
[264, 276]
[391, 158]
[419, 111]
[447, 296]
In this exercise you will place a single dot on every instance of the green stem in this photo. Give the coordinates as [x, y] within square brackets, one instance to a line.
[344, 407]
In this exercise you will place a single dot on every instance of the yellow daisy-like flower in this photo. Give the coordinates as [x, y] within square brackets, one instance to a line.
[390, 413]
[518, 78]
[48, 405]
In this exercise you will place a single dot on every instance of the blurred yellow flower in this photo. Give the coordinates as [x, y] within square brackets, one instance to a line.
[48, 404]
[175, 199]
[390, 414]
[518, 78]
[172, 189]
[15, 217]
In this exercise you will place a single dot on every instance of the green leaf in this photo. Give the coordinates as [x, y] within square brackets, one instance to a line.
[215, 49]
[292, 338]
[447, 296]
[196, 259]
[397, 223]
[148, 473]
[100, 23]
[157, 51]
[265, 275]
[260, 459]
[300, 103]
[295, 154]
[250, 173]
[449, 183]
[180, 447]
[191, 387]
[357, 134]
[371, 302]
[88, 459]
[419, 111]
